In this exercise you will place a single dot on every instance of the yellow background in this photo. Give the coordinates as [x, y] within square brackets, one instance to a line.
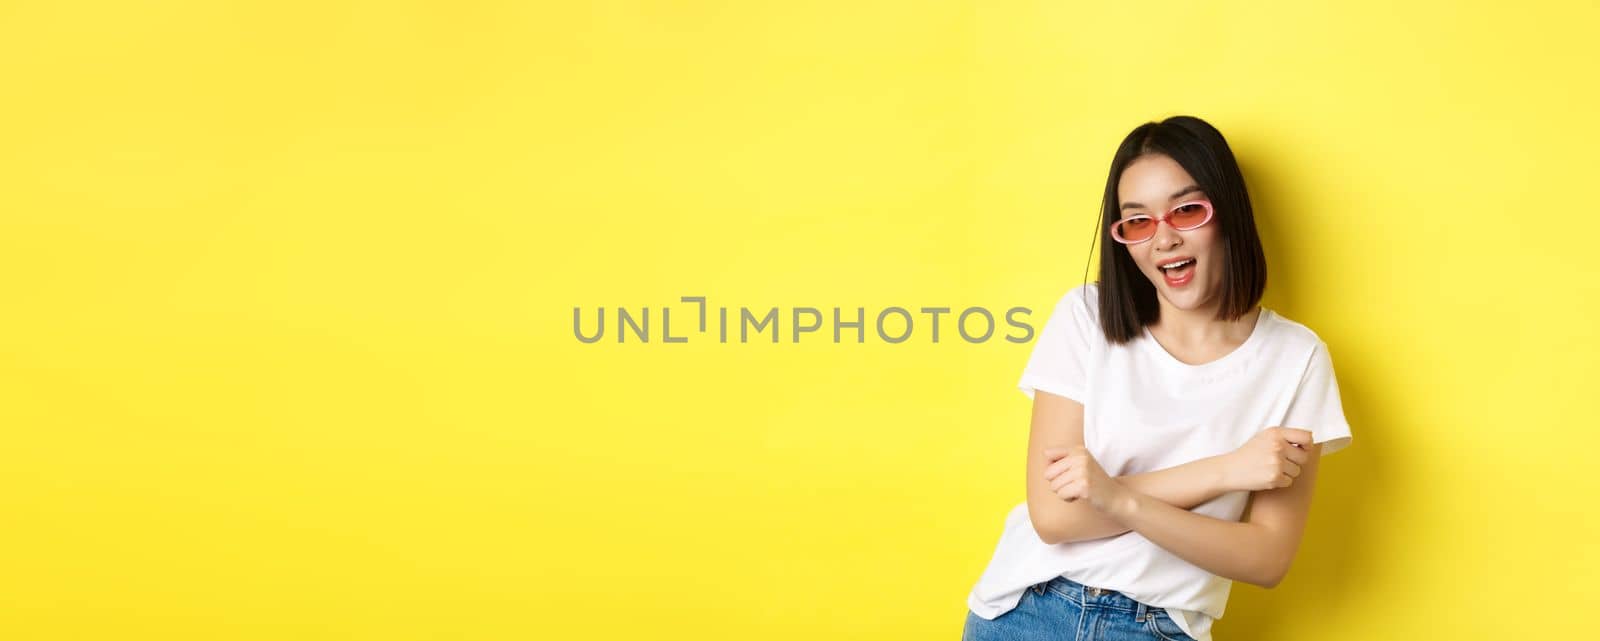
[287, 347]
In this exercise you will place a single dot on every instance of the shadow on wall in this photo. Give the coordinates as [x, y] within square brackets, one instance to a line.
[1341, 533]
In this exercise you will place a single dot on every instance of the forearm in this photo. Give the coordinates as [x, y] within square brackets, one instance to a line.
[1241, 551]
[1182, 486]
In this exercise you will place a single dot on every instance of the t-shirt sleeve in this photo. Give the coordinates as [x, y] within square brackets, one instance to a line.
[1059, 363]
[1316, 406]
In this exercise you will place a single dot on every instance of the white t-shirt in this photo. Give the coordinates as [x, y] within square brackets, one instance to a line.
[1146, 410]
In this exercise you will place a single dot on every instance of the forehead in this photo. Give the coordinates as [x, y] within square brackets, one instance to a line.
[1151, 180]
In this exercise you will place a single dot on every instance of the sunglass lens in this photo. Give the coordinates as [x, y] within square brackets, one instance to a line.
[1135, 229]
[1189, 215]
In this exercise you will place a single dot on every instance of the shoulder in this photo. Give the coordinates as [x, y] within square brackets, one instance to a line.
[1296, 336]
[1082, 301]
[1077, 314]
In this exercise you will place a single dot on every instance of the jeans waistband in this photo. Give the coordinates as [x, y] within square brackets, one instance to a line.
[1092, 597]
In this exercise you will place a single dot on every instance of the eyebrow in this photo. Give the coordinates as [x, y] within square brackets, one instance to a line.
[1180, 192]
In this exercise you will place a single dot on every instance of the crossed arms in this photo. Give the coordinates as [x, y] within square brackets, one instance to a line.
[1070, 498]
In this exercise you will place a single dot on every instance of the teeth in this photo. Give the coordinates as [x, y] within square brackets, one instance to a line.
[1180, 264]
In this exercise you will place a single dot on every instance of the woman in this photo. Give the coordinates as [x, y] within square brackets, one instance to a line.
[1165, 401]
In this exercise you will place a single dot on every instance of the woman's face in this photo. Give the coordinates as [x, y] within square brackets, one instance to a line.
[1153, 184]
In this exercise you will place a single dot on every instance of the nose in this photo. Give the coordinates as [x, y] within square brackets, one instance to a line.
[1166, 237]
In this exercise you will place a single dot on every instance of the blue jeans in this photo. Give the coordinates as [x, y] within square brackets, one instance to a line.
[1064, 610]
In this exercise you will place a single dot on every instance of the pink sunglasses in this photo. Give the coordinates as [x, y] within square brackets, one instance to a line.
[1142, 227]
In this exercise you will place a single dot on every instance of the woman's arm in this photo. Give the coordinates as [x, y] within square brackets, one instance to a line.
[1258, 550]
[1058, 424]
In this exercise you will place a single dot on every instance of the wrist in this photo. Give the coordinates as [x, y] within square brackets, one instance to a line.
[1123, 504]
[1218, 473]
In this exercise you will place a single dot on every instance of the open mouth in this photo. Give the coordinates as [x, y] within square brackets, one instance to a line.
[1179, 274]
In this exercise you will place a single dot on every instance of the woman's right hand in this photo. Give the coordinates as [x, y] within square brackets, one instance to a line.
[1270, 459]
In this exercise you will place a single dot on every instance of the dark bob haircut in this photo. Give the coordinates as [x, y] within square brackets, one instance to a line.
[1127, 297]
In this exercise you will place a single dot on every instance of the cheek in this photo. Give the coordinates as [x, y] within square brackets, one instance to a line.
[1210, 247]
[1207, 245]
[1141, 256]
[1202, 239]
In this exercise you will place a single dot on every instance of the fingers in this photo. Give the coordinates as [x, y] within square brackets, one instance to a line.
[1069, 491]
[1053, 454]
[1056, 485]
[1296, 455]
[1061, 461]
[1291, 469]
[1295, 435]
[1053, 465]
[1056, 469]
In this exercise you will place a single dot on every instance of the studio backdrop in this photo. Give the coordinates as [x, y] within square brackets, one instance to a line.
[703, 320]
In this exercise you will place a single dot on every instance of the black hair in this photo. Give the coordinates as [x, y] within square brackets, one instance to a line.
[1127, 297]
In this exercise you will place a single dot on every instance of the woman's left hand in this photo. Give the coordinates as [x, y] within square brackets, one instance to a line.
[1074, 474]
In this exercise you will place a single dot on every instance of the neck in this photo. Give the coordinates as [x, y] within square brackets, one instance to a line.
[1193, 327]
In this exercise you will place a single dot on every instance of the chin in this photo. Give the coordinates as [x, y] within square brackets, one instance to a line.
[1188, 298]
[1184, 301]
